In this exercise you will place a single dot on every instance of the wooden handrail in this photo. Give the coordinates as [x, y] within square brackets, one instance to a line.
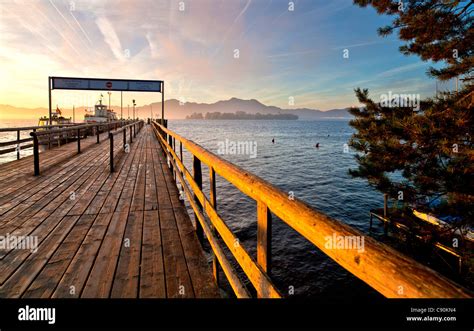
[383, 268]
[35, 127]
[77, 129]
[48, 130]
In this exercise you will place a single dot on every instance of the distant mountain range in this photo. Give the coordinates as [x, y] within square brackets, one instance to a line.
[176, 110]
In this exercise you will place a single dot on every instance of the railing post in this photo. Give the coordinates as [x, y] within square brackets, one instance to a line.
[111, 139]
[213, 197]
[124, 137]
[98, 133]
[36, 153]
[264, 236]
[174, 149]
[197, 174]
[170, 142]
[134, 131]
[18, 144]
[131, 137]
[78, 141]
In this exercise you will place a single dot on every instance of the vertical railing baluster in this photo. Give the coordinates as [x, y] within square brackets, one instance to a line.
[124, 137]
[170, 143]
[213, 198]
[36, 153]
[111, 139]
[18, 144]
[78, 141]
[264, 236]
[197, 174]
[174, 149]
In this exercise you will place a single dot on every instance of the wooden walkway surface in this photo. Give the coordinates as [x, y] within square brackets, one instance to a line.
[99, 235]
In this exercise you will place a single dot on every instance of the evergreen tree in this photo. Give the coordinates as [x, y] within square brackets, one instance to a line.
[425, 153]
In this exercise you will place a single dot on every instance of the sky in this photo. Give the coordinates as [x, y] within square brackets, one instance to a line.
[204, 50]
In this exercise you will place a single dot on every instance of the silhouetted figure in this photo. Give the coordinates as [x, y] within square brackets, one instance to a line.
[317, 145]
[273, 140]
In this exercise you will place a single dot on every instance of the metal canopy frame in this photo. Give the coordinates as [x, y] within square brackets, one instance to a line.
[51, 87]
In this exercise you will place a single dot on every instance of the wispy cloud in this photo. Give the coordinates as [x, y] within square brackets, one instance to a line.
[110, 37]
[282, 53]
[401, 69]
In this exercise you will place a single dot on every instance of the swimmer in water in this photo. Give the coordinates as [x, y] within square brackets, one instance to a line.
[317, 145]
[273, 140]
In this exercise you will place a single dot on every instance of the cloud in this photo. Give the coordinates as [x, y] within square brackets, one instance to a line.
[110, 37]
[401, 69]
[282, 53]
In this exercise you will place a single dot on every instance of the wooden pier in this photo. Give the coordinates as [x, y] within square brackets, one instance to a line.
[107, 216]
[123, 234]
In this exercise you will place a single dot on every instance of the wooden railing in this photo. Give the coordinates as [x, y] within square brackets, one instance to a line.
[19, 143]
[71, 133]
[134, 128]
[383, 268]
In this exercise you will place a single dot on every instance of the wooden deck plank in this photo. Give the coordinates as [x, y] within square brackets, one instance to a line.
[78, 271]
[69, 173]
[31, 266]
[151, 195]
[23, 224]
[99, 283]
[138, 199]
[152, 277]
[127, 275]
[56, 267]
[83, 242]
[45, 283]
[48, 159]
[178, 281]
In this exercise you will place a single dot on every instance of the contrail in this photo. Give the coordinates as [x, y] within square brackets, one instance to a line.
[80, 27]
[243, 11]
[59, 32]
[231, 27]
[37, 32]
[65, 20]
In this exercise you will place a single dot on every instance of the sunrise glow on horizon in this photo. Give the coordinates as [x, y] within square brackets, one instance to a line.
[205, 51]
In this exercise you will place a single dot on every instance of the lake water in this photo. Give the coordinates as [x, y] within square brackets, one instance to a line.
[9, 136]
[318, 176]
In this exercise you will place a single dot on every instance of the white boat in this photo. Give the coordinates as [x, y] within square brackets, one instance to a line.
[466, 231]
[101, 114]
[56, 119]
